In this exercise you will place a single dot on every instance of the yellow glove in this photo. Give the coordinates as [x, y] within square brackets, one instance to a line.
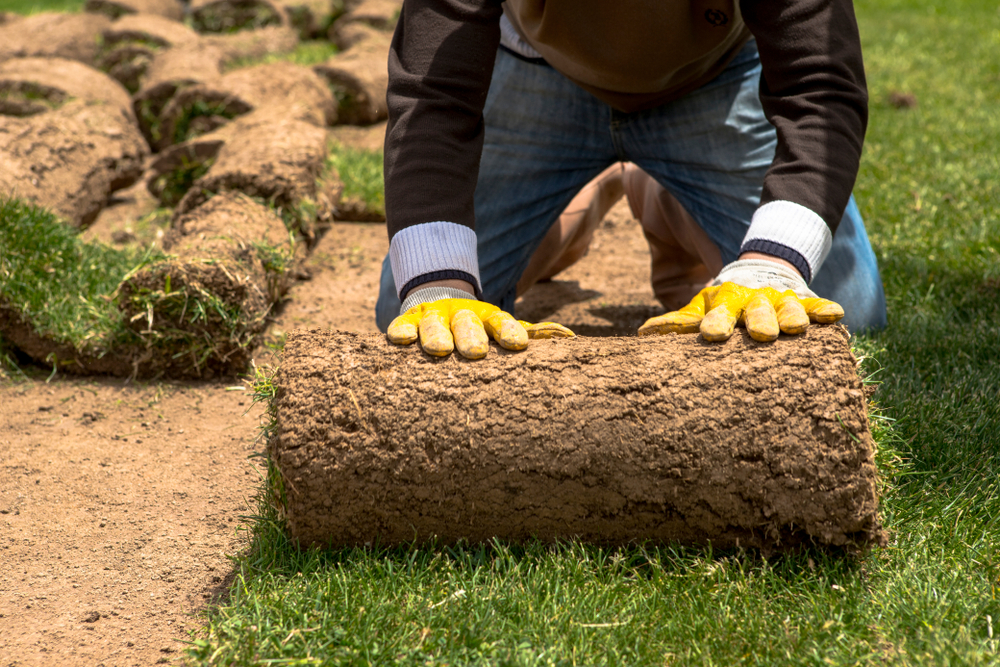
[466, 324]
[764, 297]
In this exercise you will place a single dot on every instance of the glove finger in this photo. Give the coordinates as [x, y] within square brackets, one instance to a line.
[792, 317]
[719, 324]
[506, 331]
[470, 337]
[823, 311]
[545, 330]
[677, 321]
[685, 320]
[435, 335]
[403, 329]
[760, 319]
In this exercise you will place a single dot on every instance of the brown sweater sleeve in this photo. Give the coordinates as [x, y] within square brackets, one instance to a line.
[440, 67]
[814, 93]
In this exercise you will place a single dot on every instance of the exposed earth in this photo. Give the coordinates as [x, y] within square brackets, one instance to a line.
[120, 502]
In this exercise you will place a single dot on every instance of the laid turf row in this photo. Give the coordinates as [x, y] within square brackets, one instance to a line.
[62, 299]
[929, 194]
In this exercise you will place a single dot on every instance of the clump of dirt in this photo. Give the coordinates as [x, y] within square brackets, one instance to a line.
[615, 440]
[91, 145]
[233, 260]
[53, 35]
[359, 78]
[129, 46]
[902, 100]
[115, 9]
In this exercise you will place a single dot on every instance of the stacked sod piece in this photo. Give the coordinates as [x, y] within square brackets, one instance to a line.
[236, 152]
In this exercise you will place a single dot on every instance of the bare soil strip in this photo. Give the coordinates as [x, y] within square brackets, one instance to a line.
[118, 506]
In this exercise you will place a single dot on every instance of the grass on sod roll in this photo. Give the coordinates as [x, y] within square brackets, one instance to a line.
[929, 191]
[61, 284]
[68, 289]
[307, 54]
[361, 173]
[36, 6]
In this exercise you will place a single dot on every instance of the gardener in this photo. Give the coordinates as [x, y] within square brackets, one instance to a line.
[751, 115]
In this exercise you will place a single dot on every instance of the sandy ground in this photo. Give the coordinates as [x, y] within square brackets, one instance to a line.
[121, 503]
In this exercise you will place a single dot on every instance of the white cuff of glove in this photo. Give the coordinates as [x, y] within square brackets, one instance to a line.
[428, 294]
[757, 273]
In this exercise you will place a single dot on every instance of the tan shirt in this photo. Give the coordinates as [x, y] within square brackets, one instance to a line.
[630, 53]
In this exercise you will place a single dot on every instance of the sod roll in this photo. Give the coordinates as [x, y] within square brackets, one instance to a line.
[609, 440]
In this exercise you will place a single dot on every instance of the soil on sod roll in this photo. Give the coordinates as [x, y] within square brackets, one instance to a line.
[129, 46]
[51, 34]
[297, 91]
[70, 159]
[201, 311]
[176, 169]
[170, 9]
[254, 44]
[227, 16]
[270, 156]
[381, 14]
[358, 79]
[29, 86]
[171, 70]
[609, 440]
[311, 18]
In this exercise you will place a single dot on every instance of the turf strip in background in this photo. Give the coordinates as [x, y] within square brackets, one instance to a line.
[929, 193]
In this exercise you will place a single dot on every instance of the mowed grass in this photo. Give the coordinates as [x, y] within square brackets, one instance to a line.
[930, 193]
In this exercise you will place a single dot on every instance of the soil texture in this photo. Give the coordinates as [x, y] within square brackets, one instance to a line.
[381, 14]
[610, 440]
[171, 70]
[252, 44]
[119, 504]
[294, 92]
[170, 9]
[270, 156]
[53, 35]
[233, 261]
[70, 159]
[226, 16]
[359, 78]
[132, 42]
[311, 18]
[35, 85]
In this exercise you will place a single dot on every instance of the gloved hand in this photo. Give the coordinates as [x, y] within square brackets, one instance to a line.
[466, 324]
[764, 296]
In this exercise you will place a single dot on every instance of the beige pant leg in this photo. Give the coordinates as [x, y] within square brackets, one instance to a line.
[683, 258]
[569, 238]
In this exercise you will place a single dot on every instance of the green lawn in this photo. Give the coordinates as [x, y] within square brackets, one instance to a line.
[35, 6]
[929, 192]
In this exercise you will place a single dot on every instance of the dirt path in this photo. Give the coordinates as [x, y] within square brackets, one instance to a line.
[119, 503]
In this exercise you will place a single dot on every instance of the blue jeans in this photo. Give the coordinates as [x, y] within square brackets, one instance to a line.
[546, 138]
